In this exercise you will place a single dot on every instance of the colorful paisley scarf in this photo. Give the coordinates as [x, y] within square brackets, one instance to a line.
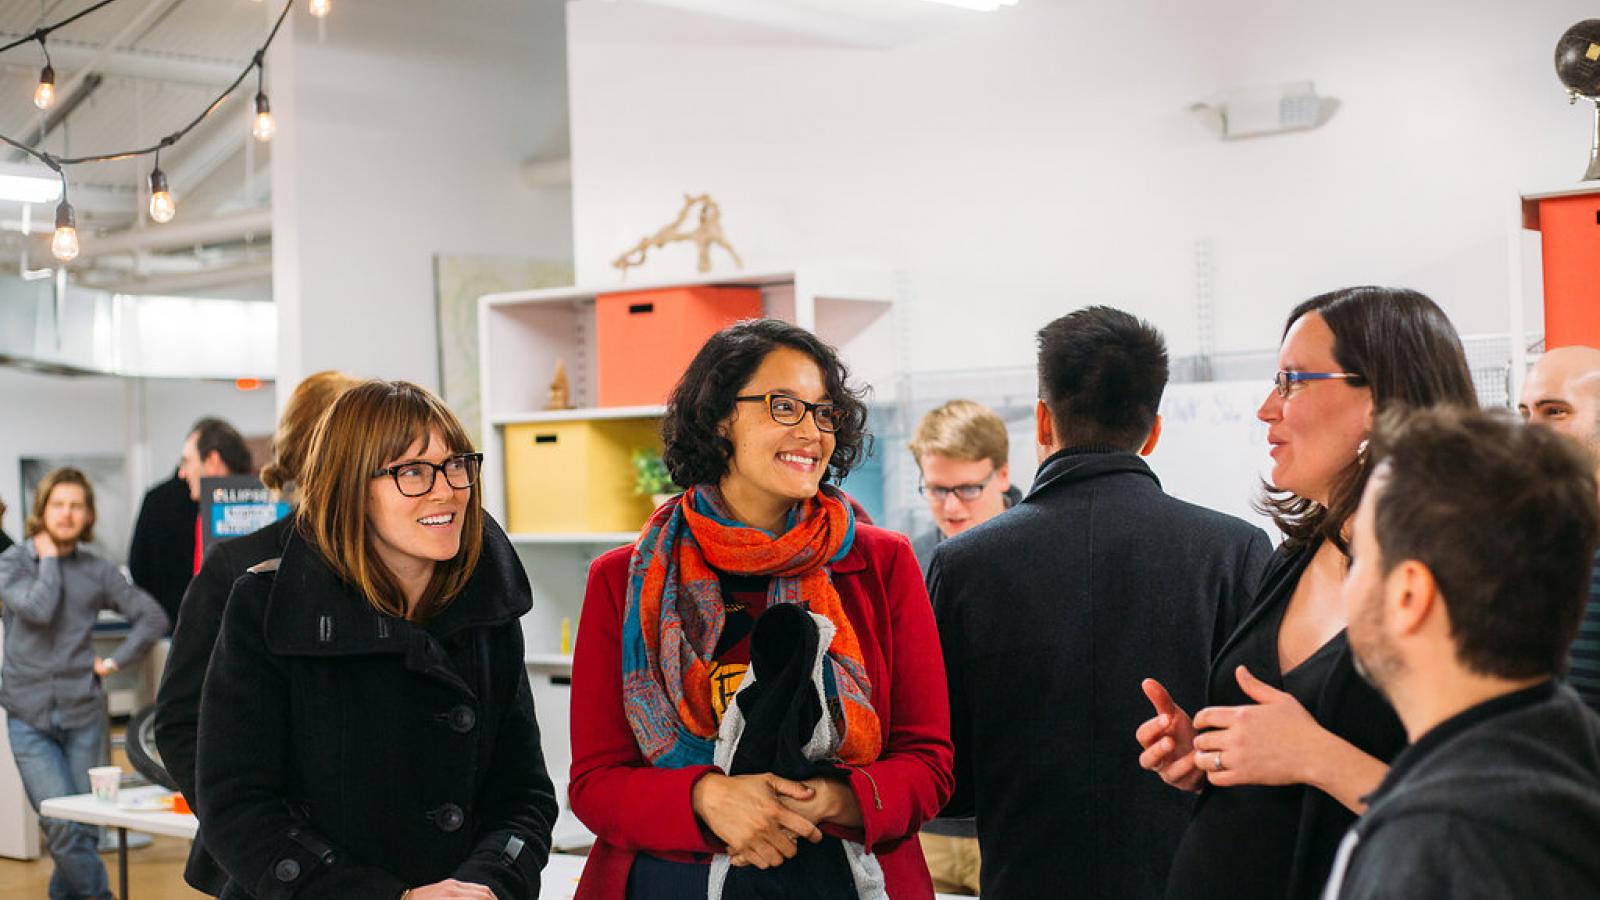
[674, 618]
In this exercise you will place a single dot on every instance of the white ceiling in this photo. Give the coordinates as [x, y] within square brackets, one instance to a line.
[129, 74]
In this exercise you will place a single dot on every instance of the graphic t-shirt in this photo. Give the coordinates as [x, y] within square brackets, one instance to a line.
[744, 599]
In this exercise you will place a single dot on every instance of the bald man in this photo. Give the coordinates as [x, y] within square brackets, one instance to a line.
[1563, 393]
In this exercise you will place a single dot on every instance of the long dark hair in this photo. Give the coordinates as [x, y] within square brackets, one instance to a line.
[1405, 349]
[696, 454]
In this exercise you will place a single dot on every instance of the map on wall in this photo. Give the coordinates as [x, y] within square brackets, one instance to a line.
[458, 282]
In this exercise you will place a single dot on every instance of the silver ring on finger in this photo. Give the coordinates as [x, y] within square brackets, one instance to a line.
[1216, 762]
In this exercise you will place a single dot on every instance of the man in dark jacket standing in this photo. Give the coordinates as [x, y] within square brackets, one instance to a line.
[1470, 568]
[1051, 614]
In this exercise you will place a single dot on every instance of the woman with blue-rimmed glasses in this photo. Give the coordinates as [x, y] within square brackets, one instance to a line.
[1292, 738]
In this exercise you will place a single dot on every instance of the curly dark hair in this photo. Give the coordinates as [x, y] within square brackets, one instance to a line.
[696, 454]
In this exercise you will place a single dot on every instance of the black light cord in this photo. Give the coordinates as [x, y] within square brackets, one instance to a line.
[56, 162]
[44, 32]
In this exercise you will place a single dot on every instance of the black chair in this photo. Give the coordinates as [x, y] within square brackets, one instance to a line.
[141, 747]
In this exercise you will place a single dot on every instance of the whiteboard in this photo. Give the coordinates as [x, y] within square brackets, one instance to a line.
[1213, 449]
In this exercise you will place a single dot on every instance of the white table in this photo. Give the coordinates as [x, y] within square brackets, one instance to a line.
[86, 809]
[559, 881]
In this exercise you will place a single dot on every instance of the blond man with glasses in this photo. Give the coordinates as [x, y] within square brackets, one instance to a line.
[961, 450]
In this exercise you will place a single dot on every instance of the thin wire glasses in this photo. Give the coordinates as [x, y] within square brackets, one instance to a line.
[965, 492]
[787, 410]
[1285, 381]
[415, 478]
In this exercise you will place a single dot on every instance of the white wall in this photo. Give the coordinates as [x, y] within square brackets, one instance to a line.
[402, 134]
[1044, 158]
[56, 415]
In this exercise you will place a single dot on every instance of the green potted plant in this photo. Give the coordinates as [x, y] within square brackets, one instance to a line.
[651, 478]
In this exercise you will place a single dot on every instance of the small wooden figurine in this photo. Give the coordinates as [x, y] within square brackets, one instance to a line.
[560, 391]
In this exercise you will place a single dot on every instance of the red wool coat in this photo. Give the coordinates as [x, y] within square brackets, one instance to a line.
[632, 806]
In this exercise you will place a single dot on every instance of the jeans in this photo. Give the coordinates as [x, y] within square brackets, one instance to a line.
[55, 762]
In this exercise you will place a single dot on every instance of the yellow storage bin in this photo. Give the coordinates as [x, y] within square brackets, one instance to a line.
[576, 476]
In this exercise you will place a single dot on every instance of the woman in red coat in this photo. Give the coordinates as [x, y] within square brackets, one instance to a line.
[761, 417]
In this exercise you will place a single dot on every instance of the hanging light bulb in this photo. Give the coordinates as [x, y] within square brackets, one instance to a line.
[45, 94]
[264, 126]
[320, 8]
[64, 246]
[162, 209]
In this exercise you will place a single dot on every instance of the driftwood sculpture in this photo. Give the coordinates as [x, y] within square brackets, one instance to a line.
[708, 233]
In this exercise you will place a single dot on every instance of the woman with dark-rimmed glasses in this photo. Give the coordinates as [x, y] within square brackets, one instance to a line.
[758, 696]
[1292, 738]
[367, 728]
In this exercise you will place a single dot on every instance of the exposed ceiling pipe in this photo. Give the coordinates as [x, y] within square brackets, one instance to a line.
[181, 282]
[255, 222]
[543, 173]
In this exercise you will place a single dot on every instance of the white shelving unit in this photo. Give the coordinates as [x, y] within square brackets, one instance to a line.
[522, 335]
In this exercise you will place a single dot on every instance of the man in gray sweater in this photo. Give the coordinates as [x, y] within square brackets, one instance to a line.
[1469, 568]
[51, 591]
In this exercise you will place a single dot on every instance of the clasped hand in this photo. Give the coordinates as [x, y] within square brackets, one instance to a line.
[1270, 742]
[758, 817]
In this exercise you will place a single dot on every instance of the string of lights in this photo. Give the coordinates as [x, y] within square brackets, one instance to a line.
[64, 244]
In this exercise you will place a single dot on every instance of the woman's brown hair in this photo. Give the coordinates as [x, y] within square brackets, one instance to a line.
[1405, 349]
[41, 498]
[292, 440]
[368, 427]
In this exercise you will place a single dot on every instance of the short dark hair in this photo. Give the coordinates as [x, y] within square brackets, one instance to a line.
[212, 433]
[1405, 349]
[696, 454]
[1504, 516]
[1102, 373]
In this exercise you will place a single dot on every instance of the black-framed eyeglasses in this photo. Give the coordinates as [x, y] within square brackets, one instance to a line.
[787, 410]
[966, 492]
[417, 477]
[1285, 381]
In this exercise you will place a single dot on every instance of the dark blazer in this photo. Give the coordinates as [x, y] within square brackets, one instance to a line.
[1050, 616]
[177, 715]
[161, 554]
[347, 754]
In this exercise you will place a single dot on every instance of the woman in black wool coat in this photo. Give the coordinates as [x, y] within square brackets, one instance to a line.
[367, 729]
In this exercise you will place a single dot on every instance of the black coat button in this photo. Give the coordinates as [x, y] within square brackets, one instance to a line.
[462, 718]
[449, 817]
[286, 870]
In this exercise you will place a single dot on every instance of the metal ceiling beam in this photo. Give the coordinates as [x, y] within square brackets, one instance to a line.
[126, 33]
[125, 63]
[58, 114]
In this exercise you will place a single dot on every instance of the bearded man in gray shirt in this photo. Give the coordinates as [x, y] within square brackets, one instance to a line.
[51, 592]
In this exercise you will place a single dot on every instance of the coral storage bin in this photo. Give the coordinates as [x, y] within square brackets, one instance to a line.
[576, 476]
[1570, 234]
[645, 339]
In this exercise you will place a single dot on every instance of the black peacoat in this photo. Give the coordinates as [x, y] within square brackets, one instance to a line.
[194, 634]
[1050, 615]
[347, 754]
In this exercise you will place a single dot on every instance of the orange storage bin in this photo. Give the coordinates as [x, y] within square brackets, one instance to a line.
[645, 339]
[576, 476]
[1570, 237]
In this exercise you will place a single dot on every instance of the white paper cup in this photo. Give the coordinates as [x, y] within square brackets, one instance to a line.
[105, 780]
